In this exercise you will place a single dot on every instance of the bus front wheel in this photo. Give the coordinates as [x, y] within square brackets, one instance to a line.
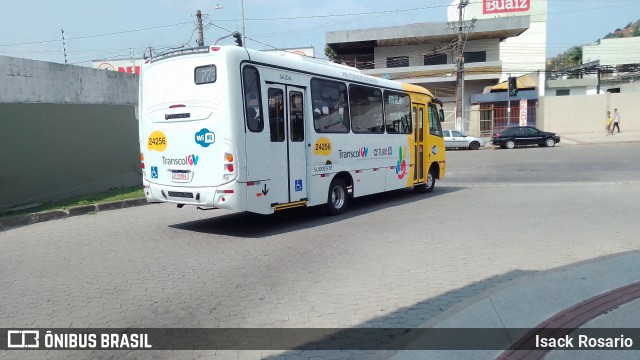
[338, 197]
[429, 185]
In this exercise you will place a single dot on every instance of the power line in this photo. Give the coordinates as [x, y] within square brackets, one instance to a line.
[96, 35]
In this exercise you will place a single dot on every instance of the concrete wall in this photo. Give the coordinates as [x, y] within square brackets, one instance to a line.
[65, 131]
[29, 81]
[613, 51]
[575, 91]
[587, 114]
[56, 151]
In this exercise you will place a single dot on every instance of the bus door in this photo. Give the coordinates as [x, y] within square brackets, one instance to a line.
[285, 118]
[418, 137]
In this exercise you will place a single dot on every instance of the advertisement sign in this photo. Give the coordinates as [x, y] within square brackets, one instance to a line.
[505, 6]
[523, 112]
[128, 66]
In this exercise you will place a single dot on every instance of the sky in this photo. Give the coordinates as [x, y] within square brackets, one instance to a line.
[116, 29]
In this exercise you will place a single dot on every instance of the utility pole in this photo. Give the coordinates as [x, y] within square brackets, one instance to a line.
[200, 32]
[64, 47]
[460, 68]
[508, 99]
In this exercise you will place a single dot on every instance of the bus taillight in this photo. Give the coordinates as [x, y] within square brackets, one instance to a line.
[229, 167]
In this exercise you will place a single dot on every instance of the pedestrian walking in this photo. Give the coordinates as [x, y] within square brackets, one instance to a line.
[616, 120]
[609, 122]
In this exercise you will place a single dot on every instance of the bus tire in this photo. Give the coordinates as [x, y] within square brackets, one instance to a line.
[338, 197]
[429, 185]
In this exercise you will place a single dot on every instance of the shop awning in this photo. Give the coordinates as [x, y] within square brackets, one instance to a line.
[524, 82]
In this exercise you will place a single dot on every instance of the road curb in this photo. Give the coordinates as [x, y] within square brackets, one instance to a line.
[11, 222]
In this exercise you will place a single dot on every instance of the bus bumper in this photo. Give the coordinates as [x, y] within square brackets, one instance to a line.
[228, 196]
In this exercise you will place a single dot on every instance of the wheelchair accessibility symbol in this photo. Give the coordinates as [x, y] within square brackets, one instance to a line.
[299, 185]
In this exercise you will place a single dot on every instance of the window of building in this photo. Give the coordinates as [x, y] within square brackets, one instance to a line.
[365, 106]
[435, 59]
[563, 92]
[330, 106]
[252, 102]
[475, 56]
[397, 113]
[397, 61]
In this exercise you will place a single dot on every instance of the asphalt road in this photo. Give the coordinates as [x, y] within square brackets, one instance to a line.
[394, 260]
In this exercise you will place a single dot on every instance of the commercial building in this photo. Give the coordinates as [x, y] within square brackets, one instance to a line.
[500, 38]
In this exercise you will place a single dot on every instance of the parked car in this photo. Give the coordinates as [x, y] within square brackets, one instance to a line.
[524, 135]
[457, 139]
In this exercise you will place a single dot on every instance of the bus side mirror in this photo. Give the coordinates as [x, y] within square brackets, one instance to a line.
[441, 114]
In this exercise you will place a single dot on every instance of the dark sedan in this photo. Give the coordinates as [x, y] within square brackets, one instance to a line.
[524, 135]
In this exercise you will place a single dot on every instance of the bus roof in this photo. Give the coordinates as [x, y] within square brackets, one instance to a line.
[301, 63]
[328, 68]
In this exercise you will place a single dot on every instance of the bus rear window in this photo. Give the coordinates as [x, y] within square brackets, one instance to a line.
[205, 74]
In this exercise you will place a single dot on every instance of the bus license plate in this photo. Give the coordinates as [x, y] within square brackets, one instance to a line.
[180, 175]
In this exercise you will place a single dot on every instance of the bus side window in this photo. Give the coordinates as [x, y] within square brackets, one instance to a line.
[252, 102]
[434, 121]
[330, 106]
[397, 113]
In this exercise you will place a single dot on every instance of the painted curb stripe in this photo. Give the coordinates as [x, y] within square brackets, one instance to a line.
[567, 321]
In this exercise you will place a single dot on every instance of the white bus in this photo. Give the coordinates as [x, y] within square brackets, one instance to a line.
[232, 128]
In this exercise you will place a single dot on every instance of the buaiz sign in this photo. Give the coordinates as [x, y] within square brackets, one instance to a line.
[505, 6]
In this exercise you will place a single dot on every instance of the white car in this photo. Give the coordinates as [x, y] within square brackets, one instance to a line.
[457, 139]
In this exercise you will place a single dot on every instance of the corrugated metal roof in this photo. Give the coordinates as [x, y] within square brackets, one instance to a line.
[524, 82]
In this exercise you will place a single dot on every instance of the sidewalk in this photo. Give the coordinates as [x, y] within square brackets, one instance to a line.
[600, 138]
[587, 139]
[596, 294]
[9, 222]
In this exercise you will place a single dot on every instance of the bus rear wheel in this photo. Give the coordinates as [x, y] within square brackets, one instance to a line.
[338, 197]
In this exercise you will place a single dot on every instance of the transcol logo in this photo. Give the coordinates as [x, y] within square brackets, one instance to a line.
[364, 151]
[361, 153]
[187, 160]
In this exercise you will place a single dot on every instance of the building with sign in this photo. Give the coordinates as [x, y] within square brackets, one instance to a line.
[522, 54]
[500, 38]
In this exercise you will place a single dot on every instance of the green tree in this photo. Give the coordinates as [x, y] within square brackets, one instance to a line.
[330, 54]
[574, 56]
[636, 31]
